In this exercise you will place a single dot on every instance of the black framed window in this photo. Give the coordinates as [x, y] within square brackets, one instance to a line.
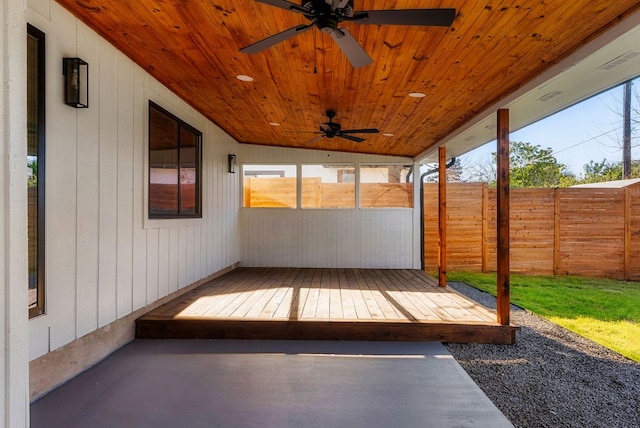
[35, 168]
[175, 165]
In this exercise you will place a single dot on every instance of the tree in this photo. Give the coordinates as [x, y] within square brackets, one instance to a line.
[597, 172]
[454, 172]
[32, 166]
[529, 166]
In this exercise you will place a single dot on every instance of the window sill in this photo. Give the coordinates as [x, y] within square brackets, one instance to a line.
[158, 223]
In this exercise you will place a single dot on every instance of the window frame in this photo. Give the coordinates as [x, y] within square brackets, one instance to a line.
[364, 165]
[273, 172]
[39, 308]
[181, 124]
[337, 165]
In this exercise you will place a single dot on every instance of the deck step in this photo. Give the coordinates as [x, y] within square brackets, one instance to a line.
[324, 304]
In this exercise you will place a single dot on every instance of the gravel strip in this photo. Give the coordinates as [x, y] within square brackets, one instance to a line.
[551, 377]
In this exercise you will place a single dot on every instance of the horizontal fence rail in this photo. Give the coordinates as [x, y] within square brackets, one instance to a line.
[567, 231]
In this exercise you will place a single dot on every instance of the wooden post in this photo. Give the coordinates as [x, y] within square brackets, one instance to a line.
[502, 247]
[442, 216]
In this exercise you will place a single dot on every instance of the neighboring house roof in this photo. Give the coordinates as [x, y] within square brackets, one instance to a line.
[616, 184]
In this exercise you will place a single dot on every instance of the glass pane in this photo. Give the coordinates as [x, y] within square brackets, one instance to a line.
[163, 164]
[163, 140]
[188, 171]
[328, 186]
[32, 168]
[270, 186]
[386, 186]
[163, 191]
[188, 203]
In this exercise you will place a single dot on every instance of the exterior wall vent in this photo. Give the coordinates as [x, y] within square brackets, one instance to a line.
[548, 96]
[619, 60]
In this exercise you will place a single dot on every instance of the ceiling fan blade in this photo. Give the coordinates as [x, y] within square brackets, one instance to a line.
[360, 131]
[314, 139]
[356, 55]
[325, 127]
[275, 39]
[350, 137]
[283, 4]
[431, 17]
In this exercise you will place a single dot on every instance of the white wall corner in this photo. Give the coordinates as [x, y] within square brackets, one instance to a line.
[14, 344]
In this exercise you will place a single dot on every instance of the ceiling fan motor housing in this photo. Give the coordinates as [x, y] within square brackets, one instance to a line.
[338, 8]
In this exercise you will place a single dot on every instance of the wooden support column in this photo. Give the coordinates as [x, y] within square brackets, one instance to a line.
[442, 216]
[503, 278]
[556, 232]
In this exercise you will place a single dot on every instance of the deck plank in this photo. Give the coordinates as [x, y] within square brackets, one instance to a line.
[335, 299]
[346, 295]
[362, 311]
[347, 304]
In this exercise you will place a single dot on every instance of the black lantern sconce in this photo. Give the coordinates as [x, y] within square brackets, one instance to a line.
[76, 82]
[232, 163]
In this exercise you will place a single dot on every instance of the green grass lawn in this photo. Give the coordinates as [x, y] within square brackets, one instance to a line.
[604, 310]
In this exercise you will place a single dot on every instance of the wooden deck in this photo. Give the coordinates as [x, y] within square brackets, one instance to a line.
[325, 304]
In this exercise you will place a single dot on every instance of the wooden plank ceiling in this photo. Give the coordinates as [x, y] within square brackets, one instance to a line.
[491, 49]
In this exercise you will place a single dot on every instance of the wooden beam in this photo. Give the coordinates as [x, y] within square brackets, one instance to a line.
[503, 279]
[442, 216]
[556, 231]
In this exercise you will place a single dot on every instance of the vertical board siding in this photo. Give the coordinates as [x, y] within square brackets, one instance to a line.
[569, 231]
[61, 183]
[108, 179]
[124, 135]
[87, 209]
[327, 238]
[358, 238]
[103, 261]
[140, 282]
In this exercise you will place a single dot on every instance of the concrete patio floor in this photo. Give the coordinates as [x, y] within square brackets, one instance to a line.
[234, 383]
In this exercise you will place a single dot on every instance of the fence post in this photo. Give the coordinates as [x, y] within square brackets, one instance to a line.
[556, 231]
[627, 233]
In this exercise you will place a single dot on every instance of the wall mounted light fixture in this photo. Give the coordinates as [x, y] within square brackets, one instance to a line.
[76, 82]
[232, 163]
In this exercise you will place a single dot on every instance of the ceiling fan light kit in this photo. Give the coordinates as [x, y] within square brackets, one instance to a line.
[328, 14]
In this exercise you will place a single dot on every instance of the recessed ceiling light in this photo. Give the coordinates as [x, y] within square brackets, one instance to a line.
[416, 95]
[274, 124]
[244, 78]
[388, 134]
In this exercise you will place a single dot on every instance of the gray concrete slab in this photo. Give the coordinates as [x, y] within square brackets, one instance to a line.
[231, 383]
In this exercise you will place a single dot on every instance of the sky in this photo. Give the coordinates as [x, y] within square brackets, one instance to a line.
[590, 130]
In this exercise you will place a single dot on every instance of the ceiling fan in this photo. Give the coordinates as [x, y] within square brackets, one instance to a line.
[327, 14]
[332, 129]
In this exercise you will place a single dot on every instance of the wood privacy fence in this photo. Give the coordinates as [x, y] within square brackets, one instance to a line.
[569, 231]
[281, 192]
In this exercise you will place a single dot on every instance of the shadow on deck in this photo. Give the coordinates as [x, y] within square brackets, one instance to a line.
[325, 304]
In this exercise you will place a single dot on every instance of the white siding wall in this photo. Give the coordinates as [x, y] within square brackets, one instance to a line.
[359, 238]
[14, 394]
[104, 260]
